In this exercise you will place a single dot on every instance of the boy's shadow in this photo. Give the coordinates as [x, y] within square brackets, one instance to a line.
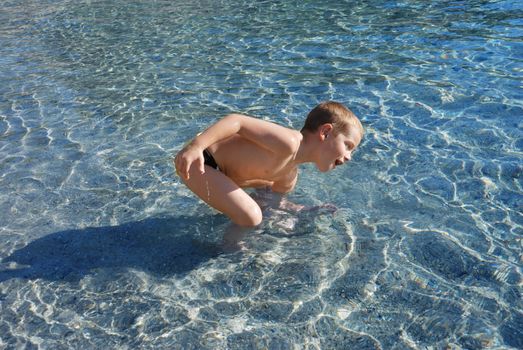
[161, 247]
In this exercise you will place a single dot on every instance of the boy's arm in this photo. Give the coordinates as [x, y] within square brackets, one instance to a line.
[273, 137]
[282, 203]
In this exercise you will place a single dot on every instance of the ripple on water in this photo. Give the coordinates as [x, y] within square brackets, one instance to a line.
[437, 323]
[354, 284]
[271, 311]
[259, 339]
[306, 311]
[439, 186]
[512, 330]
[464, 228]
[94, 103]
[446, 259]
[335, 336]
[292, 282]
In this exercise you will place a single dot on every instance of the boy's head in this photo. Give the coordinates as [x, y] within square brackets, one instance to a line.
[335, 133]
[330, 112]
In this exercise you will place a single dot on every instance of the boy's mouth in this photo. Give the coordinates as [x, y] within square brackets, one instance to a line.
[338, 162]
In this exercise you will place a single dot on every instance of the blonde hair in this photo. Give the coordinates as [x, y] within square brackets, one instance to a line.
[334, 113]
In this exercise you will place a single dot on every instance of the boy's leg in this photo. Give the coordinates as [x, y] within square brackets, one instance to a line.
[221, 193]
[233, 238]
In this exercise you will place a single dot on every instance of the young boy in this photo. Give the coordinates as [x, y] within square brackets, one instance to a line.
[240, 151]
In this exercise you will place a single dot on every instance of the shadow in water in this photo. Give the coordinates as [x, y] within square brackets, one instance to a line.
[161, 247]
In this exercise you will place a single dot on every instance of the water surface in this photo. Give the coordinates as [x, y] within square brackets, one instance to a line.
[103, 247]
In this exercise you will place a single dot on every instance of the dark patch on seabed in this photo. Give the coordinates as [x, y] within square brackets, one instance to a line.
[161, 247]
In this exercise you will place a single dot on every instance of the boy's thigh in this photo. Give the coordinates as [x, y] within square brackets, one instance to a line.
[224, 195]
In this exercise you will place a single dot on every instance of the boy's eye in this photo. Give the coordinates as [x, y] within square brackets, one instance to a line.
[351, 148]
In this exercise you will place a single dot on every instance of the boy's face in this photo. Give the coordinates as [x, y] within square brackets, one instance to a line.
[336, 150]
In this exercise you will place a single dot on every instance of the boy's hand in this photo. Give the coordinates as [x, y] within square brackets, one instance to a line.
[328, 208]
[185, 159]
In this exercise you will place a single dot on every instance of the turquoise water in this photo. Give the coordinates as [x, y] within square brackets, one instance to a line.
[102, 247]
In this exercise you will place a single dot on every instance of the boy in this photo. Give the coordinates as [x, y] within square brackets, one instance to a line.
[240, 151]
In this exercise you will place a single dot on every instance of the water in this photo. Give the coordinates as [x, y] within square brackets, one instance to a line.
[102, 247]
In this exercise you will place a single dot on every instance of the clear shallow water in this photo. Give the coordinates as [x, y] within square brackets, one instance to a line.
[101, 247]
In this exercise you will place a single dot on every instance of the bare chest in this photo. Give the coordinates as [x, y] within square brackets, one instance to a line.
[244, 163]
[270, 169]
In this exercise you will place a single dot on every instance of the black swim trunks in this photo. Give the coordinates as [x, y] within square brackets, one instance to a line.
[208, 159]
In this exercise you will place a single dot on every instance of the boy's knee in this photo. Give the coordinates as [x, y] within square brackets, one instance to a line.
[250, 217]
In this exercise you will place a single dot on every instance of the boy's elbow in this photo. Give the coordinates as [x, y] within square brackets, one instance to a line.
[232, 121]
[233, 118]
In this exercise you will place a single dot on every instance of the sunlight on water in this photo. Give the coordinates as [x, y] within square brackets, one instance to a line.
[104, 247]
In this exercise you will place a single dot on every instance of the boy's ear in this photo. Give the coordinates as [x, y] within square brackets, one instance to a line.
[325, 130]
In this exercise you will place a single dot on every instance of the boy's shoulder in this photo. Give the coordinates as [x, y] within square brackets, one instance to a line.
[279, 138]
